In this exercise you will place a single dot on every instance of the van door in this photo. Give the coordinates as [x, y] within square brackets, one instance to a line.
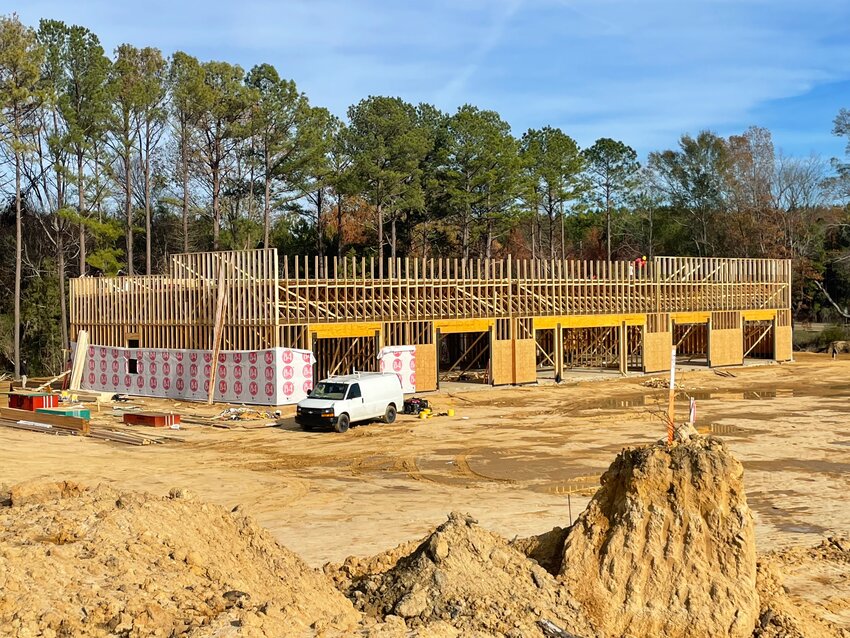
[356, 407]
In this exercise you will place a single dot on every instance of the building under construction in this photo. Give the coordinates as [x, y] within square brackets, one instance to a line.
[492, 321]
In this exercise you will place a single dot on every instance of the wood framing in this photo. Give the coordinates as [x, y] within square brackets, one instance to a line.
[625, 314]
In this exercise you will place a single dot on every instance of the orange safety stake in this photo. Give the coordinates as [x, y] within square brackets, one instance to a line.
[671, 407]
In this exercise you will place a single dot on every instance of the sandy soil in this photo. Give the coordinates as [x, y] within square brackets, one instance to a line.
[520, 460]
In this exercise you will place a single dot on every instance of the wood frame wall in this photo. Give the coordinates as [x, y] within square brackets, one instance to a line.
[294, 301]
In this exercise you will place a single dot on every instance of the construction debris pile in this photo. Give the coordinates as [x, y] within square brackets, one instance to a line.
[660, 383]
[665, 548]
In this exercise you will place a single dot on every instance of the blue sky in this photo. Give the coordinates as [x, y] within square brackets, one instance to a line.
[643, 71]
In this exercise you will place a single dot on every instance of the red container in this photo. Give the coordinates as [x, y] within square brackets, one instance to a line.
[33, 401]
[152, 419]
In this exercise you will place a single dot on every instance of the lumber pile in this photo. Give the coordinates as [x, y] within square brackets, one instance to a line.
[50, 422]
[69, 423]
[117, 436]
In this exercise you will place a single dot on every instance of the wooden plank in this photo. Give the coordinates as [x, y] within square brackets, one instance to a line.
[79, 363]
[57, 421]
[220, 306]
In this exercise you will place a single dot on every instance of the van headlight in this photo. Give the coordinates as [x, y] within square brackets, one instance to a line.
[298, 409]
[328, 412]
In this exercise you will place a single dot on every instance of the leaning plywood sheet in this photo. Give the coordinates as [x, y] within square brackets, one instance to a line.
[79, 362]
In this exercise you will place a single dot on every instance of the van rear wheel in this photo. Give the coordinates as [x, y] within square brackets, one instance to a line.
[342, 423]
[390, 414]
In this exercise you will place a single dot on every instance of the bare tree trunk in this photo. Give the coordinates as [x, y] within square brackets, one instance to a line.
[533, 237]
[608, 217]
[81, 205]
[251, 180]
[60, 269]
[464, 237]
[185, 162]
[339, 224]
[380, 241]
[216, 212]
[392, 238]
[563, 239]
[128, 206]
[551, 235]
[97, 182]
[147, 166]
[649, 252]
[320, 245]
[19, 238]
[266, 211]
[489, 238]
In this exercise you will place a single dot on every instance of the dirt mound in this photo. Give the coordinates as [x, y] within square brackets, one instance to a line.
[805, 592]
[358, 567]
[470, 579]
[666, 546]
[546, 549]
[96, 562]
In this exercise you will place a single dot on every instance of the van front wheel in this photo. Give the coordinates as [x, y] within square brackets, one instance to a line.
[342, 423]
[389, 415]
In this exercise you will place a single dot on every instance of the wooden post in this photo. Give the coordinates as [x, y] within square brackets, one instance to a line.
[559, 353]
[624, 348]
[671, 406]
[220, 305]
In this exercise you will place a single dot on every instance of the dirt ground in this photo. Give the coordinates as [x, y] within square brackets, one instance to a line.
[521, 460]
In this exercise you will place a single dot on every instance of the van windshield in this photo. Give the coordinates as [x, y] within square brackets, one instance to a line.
[333, 391]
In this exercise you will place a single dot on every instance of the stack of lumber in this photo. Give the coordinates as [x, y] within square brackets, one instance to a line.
[70, 424]
[118, 436]
[59, 424]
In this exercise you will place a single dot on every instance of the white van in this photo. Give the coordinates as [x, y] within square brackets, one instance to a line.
[353, 398]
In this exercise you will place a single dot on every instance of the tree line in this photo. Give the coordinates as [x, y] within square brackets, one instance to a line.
[112, 163]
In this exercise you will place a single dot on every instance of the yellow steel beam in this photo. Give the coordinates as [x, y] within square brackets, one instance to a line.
[758, 315]
[449, 326]
[690, 317]
[589, 321]
[338, 330]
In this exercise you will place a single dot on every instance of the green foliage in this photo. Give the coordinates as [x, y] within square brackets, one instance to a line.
[694, 179]
[478, 178]
[612, 171]
[41, 338]
[388, 147]
[553, 176]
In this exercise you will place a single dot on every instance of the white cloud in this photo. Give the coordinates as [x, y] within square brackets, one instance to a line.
[641, 70]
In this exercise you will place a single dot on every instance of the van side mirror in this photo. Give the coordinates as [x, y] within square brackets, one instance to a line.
[309, 392]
